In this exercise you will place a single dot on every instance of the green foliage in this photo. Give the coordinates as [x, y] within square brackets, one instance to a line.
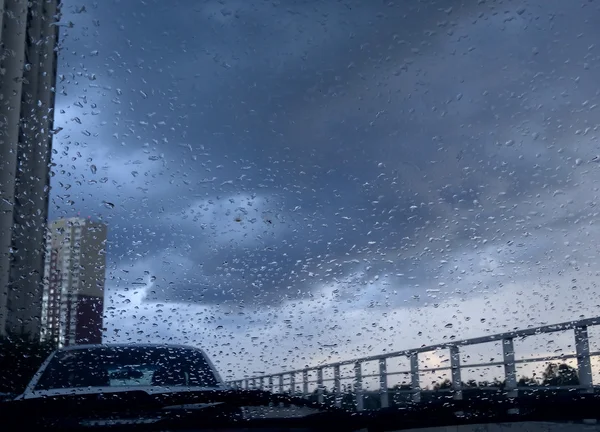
[470, 383]
[402, 387]
[527, 382]
[446, 384]
[20, 358]
[401, 394]
[560, 375]
[496, 383]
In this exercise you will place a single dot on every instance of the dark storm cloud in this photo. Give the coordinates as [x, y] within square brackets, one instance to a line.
[368, 126]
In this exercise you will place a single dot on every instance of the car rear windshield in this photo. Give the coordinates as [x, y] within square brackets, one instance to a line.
[127, 366]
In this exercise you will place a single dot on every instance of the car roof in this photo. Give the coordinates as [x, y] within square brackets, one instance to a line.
[36, 377]
[128, 345]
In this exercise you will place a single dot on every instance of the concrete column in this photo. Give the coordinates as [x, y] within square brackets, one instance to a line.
[27, 264]
[2, 6]
[32, 176]
[13, 34]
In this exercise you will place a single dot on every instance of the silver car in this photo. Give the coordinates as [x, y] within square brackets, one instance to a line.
[89, 369]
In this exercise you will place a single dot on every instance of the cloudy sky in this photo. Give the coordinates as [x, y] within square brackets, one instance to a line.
[293, 182]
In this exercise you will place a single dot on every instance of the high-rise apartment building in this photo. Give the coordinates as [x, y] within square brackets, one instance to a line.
[28, 58]
[73, 295]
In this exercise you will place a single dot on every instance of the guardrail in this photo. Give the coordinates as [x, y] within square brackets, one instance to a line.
[582, 355]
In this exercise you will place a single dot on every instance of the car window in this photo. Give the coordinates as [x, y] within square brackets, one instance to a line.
[127, 367]
[370, 203]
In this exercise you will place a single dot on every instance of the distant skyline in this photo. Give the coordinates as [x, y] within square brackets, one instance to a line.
[318, 180]
[74, 278]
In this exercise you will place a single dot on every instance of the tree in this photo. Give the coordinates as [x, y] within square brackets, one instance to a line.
[470, 383]
[446, 384]
[527, 382]
[402, 387]
[560, 375]
[498, 383]
[495, 383]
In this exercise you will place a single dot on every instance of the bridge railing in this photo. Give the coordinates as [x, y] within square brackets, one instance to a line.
[509, 362]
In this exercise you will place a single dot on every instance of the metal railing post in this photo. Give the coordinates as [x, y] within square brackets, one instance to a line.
[383, 384]
[320, 388]
[414, 377]
[305, 383]
[337, 386]
[360, 403]
[271, 388]
[510, 369]
[455, 370]
[584, 365]
[582, 355]
[293, 384]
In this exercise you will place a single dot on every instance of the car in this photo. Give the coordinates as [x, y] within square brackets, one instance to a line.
[110, 368]
[6, 396]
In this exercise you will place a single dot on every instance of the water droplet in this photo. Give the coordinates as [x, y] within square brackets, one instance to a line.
[93, 169]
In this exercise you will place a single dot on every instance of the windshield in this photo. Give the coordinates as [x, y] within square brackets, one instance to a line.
[368, 204]
[127, 366]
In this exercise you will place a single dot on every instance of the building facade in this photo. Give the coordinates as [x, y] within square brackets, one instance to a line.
[28, 59]
[73, 295]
